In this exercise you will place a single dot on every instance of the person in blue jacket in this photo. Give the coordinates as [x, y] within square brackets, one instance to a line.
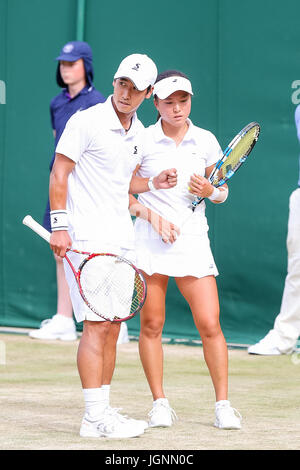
[75, 76]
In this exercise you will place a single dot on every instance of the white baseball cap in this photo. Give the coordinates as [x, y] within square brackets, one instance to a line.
[139, 69]
[169, 85]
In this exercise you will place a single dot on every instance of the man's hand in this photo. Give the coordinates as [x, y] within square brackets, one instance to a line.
[60, 241]
[166, 179]
[168, 231]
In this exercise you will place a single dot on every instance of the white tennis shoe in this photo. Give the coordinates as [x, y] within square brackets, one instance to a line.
[161, 415]
[57, 327]
[111, 425]
[269, 346]
[226, 416]
[125, 419]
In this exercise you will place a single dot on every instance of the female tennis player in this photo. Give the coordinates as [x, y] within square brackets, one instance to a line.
[181, 250]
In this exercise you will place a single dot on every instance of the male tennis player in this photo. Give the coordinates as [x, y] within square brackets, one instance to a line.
[96, 157]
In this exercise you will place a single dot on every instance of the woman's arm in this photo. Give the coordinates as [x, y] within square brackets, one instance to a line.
[200, 186]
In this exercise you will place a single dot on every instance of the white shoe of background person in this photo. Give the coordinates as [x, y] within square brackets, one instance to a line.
[161, 415]
[111, 425]
[57, 327]
[226, 416]
[123, 335]
[270, 345]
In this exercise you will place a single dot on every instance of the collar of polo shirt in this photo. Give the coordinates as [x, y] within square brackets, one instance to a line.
[112, 117]
[159, 134]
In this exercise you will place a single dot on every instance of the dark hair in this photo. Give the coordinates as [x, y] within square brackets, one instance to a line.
[167, 74]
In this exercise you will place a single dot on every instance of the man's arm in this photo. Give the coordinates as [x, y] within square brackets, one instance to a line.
[58, 188]
[163, 227]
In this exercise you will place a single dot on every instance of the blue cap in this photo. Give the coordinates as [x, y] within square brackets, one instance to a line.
[75, 50]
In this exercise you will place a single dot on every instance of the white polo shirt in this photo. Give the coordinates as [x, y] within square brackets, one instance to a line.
[105, 156]
[198, 150]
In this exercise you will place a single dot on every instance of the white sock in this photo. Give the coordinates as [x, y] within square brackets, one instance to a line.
[95, 402]
[106, 391]
[161, 400]
[222, 403]
[64, 318]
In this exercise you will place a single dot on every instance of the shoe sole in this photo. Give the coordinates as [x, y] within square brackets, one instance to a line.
[54, 338]
[108, 436]
[160, 425]
[227, 427]
[265, 354]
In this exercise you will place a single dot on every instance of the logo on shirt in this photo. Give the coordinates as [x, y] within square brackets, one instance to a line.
[135, 150]
[175, 80]
[136, 67]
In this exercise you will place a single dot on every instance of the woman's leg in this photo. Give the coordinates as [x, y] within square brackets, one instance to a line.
[152, 322]
[202, 297]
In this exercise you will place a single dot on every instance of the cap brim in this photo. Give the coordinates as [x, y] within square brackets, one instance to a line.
[163, 95]
[68, 57]
[170, 85]
[138, 86]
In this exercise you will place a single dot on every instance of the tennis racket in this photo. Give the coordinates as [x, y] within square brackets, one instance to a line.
[111, 286]
[234, 156]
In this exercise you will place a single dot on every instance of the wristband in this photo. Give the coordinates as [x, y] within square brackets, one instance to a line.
[151, 185]
[59, 220]
[218, 195]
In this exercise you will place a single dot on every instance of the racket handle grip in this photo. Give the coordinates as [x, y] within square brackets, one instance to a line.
[196, 202]
[37, 228]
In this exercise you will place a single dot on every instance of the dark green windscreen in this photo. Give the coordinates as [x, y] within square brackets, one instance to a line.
[242, 62]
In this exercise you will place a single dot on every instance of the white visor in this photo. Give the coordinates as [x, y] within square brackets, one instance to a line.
[169, 85]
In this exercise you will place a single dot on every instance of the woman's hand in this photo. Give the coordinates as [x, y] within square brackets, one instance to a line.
[200, 186]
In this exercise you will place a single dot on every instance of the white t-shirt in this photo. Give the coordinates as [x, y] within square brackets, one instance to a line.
[105, 156]
[198, 150]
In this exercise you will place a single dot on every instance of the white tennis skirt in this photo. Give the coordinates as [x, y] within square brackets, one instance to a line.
[81, 310]
[189, 255]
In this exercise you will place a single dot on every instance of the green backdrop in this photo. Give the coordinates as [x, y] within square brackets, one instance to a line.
[242, 59]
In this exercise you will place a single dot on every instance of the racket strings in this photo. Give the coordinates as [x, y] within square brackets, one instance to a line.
[237, 156]
[112, 288]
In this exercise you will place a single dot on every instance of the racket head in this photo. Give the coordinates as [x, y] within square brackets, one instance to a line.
[111, 286]
[235, 154]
